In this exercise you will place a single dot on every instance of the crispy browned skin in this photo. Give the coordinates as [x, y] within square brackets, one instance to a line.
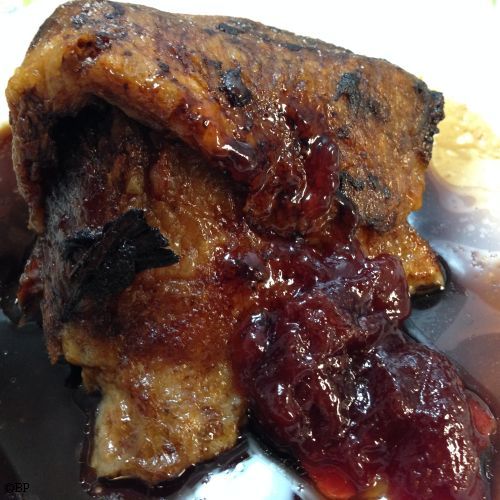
[198, 98]
[234, 90]
[158, 350]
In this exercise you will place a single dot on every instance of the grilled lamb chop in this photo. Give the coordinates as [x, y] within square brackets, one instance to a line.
[184, 172]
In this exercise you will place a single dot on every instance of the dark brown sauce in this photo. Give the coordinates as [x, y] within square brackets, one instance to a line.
[16, 240]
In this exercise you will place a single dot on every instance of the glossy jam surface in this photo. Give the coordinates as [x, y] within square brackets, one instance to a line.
[332, 379]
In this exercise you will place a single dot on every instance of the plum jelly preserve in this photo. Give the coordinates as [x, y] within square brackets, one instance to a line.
[331, 378]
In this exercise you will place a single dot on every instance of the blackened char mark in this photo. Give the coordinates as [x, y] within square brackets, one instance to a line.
[376, 185]
[213, 63]
[79, 20]
[76, 245]
[348, 85]
[163, 68]
[106, 260]
[435, 113]
[347, 179]
[234, 88]
[230, 30]
[102, 41]
[293, 47]
[90, 45]
[85, 18]
[343, 132]
[118, 10]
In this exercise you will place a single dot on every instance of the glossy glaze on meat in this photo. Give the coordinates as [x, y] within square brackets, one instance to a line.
[158, 350]
[271, 186]
[245, 96]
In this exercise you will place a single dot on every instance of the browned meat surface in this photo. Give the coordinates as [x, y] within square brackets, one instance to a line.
[157, 351]
[214, 128]
[241, 94]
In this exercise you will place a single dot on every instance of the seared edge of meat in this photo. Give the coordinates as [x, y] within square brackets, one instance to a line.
[233, 89]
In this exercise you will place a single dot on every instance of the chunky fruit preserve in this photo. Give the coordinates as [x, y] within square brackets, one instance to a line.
[332, 379]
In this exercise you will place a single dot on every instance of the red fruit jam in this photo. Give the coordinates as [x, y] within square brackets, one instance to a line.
[332, 379]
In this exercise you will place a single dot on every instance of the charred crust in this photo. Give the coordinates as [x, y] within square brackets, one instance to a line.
[90, 46]
[374, 182]
[434, 112]
[343, 132]
[230, 30]
[420, 87]
[79, 243]
[435, 115]
[380, 222]
[79, 20]
[347, 180]
[376, 185]
[104, 261]
[375, 108]
[163, 68]
[102, 41]
[352, 90]
[293, 47]
[87, 47]
[437, 109]
[236, 91]
[213, 63]
[348, 86]
[118, 10]
[244, 24]
[111, 27]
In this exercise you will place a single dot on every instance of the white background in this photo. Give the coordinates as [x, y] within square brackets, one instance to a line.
[452, 44]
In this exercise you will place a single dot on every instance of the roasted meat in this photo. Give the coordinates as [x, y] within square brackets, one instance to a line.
[158, 350]
[183, 172]
[242, 95]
